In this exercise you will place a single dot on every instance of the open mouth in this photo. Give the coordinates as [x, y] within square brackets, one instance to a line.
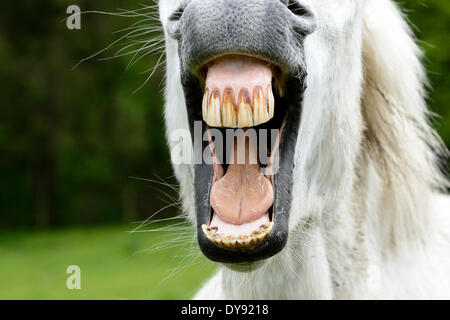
[250, 112]
[240, 94]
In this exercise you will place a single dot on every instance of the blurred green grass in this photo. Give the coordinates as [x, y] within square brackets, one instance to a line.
[115, 264]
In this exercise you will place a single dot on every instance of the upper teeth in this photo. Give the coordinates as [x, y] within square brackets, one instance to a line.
[223, 110]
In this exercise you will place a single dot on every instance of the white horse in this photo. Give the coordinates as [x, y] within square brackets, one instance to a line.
[355, 210]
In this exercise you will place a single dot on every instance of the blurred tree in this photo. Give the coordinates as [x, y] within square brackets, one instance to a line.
[70, 139]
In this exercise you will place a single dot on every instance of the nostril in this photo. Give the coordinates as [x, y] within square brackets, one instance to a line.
[298, 9]
[177, 14]
[307, 21]
[173, 23]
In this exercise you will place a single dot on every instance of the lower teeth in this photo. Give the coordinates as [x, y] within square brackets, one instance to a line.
[240, 242]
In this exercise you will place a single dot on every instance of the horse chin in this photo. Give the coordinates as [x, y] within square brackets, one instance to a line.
[238, 235]
[245, 267]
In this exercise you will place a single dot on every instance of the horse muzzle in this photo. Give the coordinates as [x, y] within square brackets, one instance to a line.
[243, 68]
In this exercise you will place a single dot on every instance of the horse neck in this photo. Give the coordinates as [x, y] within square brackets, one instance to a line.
[340, 256]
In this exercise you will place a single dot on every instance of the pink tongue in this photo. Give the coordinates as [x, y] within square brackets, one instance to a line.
[243, 194]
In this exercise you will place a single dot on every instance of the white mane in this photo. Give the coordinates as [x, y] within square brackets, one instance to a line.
[366, 220]
[399, 140]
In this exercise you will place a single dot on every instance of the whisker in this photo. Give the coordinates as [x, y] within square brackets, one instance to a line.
[147, 31]
[149, 77]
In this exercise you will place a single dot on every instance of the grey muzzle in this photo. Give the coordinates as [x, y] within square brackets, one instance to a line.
[273, 30]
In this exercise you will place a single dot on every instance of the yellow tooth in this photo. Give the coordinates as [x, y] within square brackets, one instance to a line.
[270, 102]
[214, 113]
[217, 238]
[256, 234]
[261, 237]
[245, 113]
[205, 105]
[209, 231]
[229, 242]
[229, 108]
[244, 240]
[257, 237]
[260, 112]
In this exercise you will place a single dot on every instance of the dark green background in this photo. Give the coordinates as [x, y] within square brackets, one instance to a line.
[71, 139]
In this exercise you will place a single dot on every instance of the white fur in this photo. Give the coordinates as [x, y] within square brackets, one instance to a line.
[366, 220]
